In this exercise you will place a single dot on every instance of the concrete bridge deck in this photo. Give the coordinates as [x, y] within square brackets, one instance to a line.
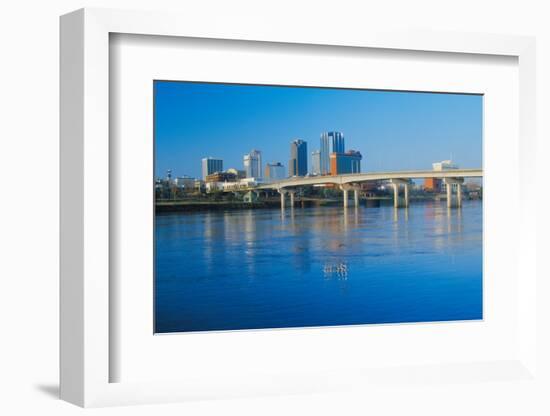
[398, 179]
[355, 178]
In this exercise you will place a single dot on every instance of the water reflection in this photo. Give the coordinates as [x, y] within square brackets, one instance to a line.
[339, 270]
[316, 266]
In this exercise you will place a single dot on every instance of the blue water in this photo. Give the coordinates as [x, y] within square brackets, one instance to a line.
[247, 269]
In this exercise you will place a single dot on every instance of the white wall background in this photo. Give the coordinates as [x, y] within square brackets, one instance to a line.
[29, 203]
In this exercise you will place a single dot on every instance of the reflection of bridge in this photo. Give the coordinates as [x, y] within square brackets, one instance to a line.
[351, 182]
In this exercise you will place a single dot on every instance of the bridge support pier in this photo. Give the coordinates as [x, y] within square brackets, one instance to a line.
[449, 182]
[396, 183]
[346, 196]
[283, 193]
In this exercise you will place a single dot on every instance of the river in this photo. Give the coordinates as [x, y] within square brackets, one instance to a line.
[264, 268]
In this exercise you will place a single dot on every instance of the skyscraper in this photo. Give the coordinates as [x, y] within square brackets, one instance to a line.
[316, 162]
[297, 165]
[211, 165]
[331, 142]
[253, 164]
[274, 171]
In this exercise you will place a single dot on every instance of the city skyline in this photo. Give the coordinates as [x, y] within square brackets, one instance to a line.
[246, 117]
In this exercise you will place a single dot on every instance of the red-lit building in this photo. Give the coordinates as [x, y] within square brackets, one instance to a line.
[432, 185]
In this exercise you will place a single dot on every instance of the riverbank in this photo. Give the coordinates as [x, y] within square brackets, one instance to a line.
[176, 206]
[208, 205]
[191, 206]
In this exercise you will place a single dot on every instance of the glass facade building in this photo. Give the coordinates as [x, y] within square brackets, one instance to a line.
[253, 164]
[331, 142]
[211, 165]
[316, 162]
[348, 162]
[297, 165]
[274, 171]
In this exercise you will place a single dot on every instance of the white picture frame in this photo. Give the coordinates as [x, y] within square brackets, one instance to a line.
[85, 211]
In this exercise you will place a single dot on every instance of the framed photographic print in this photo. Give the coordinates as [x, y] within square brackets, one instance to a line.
[232, 253]
[279, 213]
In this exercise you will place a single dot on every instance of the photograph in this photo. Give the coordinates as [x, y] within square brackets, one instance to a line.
[269, 208]
[286, 206]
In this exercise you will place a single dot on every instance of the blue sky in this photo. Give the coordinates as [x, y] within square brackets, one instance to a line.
[393, 130]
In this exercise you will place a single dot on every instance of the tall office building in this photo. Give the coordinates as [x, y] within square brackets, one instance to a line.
[274, 171]
[331, 142]
[253, 164]
[348, 162]
[211, 165]
[316, 162]
[297, 165]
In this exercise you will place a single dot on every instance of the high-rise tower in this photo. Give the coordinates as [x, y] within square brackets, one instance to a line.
[253, 164]
[331, 142]
[316, 162]
[297, 165]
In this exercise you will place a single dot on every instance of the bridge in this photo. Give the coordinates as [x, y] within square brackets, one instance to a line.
[398, 179]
